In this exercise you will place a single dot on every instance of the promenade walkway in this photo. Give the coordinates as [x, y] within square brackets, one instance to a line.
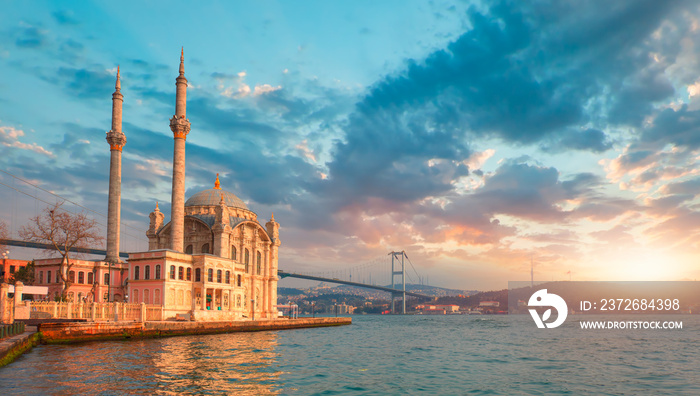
[12, 347]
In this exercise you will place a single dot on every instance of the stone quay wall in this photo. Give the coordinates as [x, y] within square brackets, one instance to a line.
[57, 333]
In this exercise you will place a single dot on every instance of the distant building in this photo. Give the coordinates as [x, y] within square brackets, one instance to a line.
[438, 309]
[9, 267]
[489, 304]
[345, 309]
[89, 281]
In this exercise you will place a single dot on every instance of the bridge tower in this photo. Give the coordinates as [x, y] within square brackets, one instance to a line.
[396, 258]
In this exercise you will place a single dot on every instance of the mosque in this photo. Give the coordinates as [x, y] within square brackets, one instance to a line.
[213, 261]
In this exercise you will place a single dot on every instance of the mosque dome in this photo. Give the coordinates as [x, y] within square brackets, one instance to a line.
[212, 197]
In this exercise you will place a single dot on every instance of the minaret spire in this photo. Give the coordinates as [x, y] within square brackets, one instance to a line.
[182, 61]
[116, 140]
[180, 126]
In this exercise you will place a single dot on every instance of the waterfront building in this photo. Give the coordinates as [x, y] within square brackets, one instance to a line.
[213, 260]
[101, 280]
[9, 267]
[89, 281]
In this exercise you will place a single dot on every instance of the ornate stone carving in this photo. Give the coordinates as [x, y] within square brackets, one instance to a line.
[156, 222]
[180, 127]
[116, 140]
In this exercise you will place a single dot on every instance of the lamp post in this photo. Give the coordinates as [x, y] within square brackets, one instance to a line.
[5, 255]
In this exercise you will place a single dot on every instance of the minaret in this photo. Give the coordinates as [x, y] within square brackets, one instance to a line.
[116, 140]
[180, 127]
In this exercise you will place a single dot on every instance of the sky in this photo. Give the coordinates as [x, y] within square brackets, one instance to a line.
[482, 139]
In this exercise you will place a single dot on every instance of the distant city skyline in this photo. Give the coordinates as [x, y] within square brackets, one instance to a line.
[475, 137]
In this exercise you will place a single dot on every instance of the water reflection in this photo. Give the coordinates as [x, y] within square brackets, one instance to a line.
[241, 364]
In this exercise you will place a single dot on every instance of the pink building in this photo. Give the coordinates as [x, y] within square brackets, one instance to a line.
[9, 267]
[90, 281]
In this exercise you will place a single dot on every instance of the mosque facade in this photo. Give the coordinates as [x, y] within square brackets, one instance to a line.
[213, 260]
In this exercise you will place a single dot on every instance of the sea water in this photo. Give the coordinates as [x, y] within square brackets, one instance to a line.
[377, 355]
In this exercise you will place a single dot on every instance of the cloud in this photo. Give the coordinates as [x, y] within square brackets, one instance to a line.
[64, 17]
[94, 83]
[31, 37]
[9, 137]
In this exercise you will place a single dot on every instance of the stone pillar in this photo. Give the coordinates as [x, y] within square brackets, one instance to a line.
[142, 316]
[116, 140]
[180, 126]
[6, 316]
[19, 287]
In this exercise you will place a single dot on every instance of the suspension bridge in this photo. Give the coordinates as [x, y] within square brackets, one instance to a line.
[387, 274]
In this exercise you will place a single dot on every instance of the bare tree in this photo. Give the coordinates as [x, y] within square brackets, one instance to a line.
[3, 235]
[65, 232]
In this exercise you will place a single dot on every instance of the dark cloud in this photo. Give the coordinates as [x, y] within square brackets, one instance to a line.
[76, 144]
[64, 17]
[680, 127]
[84, 83]
[593, 140]
[31, 37]
[524, 73]
[687, 187]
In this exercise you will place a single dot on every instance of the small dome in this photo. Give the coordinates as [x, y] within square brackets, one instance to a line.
[212, 196]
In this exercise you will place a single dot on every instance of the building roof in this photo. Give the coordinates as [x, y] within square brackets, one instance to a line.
[209, 220]
[212, 196]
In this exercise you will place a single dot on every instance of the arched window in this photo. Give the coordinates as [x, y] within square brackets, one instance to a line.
[228, 277]
[146, 295]
[233, 252]
[81, 278]
[181, 273]
[135, 296]
[156, 297]
[188, 249]
[197, 275]
[247, 261]
[71, 277]
[106, 279]
[218, 276]
[58, 277]
[91, 278]
[239, 280]
[172, 272]
[210, 275]
[189, 274]
[136, 273]
[258, 264]
[157, 271]
[205, 248]
[48, 276]
[80, 295]
[147, 272]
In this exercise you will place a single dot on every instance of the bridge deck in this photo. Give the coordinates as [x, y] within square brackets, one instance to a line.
[284, 274]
